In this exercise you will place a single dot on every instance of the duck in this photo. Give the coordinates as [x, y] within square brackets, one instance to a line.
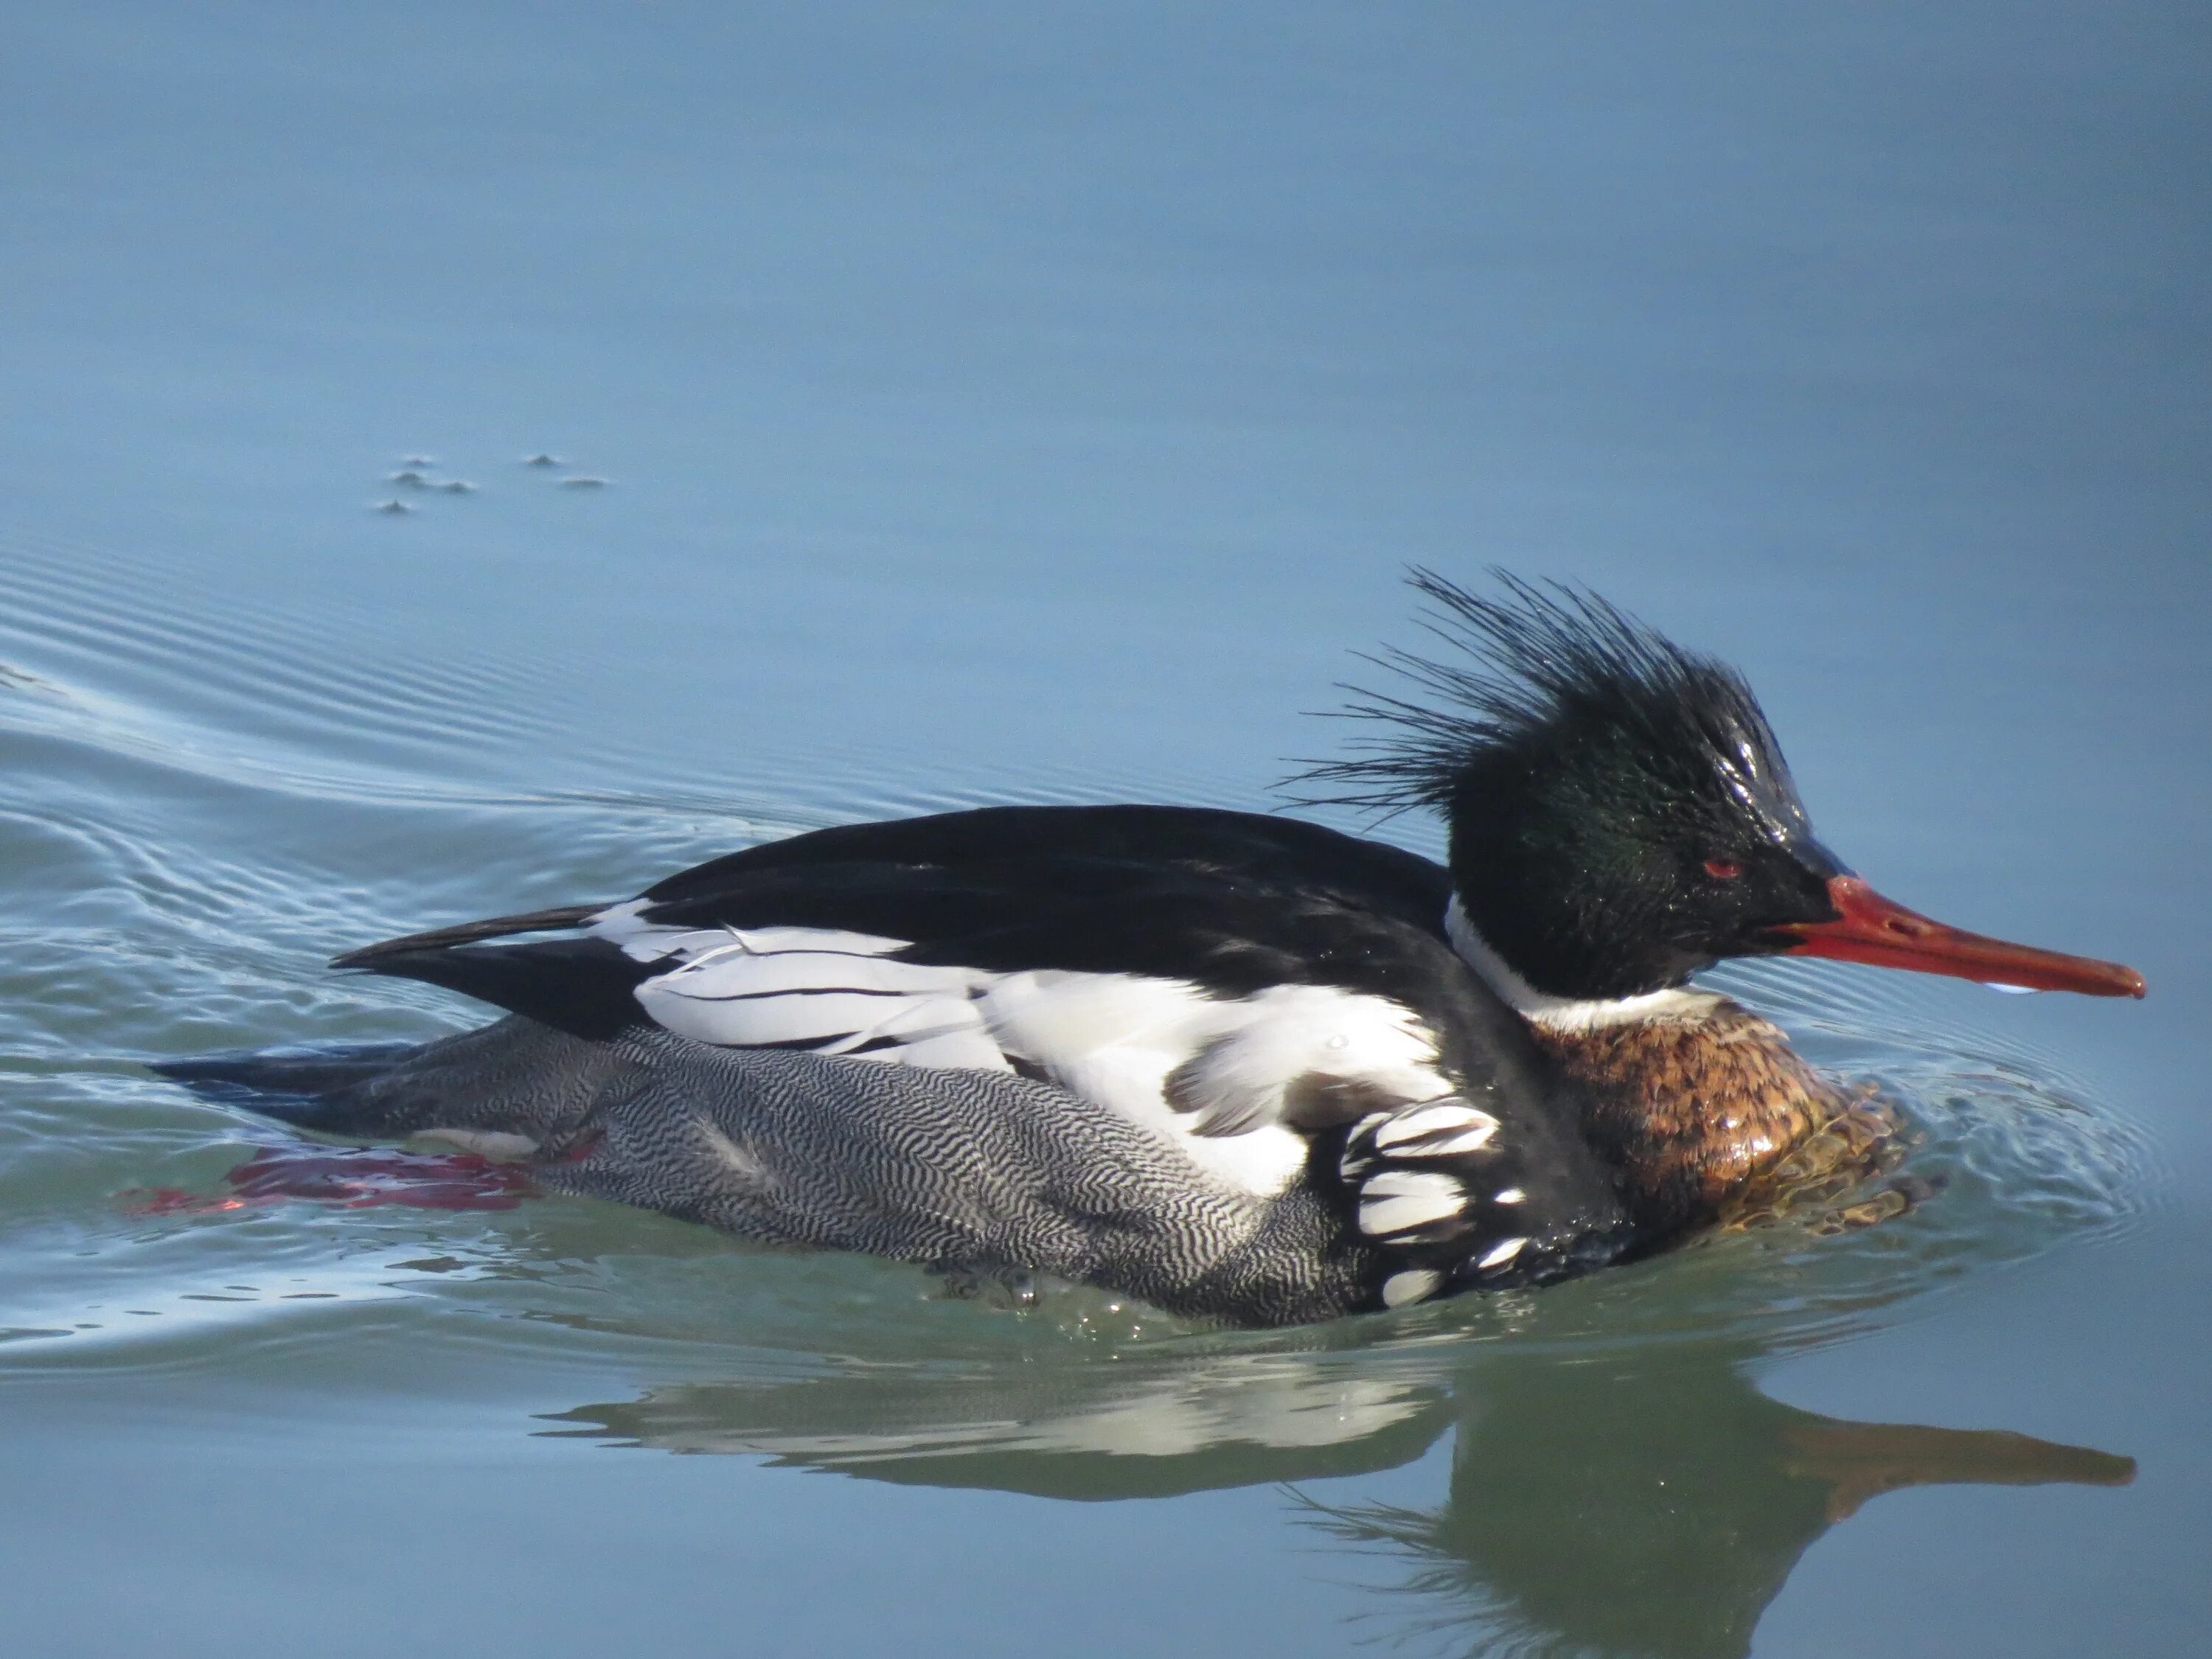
[1243, 1067]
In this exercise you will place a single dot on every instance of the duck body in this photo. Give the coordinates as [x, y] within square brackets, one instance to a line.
[1022, 1088]
[1245, 1067]
[1274, 1010]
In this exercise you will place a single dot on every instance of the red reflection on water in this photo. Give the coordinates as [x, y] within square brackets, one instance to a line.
[353, 1178]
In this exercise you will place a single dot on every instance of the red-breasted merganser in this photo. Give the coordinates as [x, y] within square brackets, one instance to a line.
[1243, 1065]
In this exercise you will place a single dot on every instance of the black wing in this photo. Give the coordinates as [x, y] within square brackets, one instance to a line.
[1236, 900]
[1240, 969]
[1201, 843]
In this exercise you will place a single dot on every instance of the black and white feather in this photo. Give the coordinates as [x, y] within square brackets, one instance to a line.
[1181, 991]
[1248, 990]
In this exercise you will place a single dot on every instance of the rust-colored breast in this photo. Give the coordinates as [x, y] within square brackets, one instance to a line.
[1694, 1110]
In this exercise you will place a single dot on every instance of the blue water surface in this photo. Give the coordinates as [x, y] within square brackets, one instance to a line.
[951, 405]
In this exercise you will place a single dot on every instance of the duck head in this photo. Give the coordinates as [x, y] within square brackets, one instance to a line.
[1621, 815]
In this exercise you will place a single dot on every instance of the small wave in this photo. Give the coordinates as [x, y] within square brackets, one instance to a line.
[224, 949]
[200, 871]
[150, 631]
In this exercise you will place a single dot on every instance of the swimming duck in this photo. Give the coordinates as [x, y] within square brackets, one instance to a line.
[1242, 1065]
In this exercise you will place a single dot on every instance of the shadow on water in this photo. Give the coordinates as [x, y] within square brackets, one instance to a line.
[1645, 1499]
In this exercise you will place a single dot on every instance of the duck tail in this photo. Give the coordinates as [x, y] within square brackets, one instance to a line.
[294, 1085]
[512, 1076]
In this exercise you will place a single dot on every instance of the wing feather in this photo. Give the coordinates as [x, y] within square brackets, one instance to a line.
[1231, 980]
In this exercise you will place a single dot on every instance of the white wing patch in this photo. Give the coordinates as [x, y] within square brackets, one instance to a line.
[833, 992]
[1113, 1038]
[1256, 1048]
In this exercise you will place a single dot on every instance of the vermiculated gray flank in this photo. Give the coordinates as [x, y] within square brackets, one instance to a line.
[977, 1171]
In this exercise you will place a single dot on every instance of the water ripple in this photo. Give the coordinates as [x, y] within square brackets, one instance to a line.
[203, 808]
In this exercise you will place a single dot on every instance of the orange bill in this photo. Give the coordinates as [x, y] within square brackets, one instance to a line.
[1883, 932]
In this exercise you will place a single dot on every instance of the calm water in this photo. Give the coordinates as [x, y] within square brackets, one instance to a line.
[1032, 403]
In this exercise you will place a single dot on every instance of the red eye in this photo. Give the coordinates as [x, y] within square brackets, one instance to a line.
[1723, 869]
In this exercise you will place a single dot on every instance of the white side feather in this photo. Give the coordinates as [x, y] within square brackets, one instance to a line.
[1112, 1038]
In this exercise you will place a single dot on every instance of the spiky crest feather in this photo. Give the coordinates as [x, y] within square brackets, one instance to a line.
[1525, 665]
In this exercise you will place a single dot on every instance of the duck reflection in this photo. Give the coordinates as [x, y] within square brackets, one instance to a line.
[1646, 1501]
[1142, 1427]
[1656, 1507]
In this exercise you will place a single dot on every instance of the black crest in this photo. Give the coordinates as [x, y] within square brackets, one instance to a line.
[1526, 669]
[1620, 813]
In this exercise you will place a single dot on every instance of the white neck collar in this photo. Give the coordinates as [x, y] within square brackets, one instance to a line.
[1564, 1013]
